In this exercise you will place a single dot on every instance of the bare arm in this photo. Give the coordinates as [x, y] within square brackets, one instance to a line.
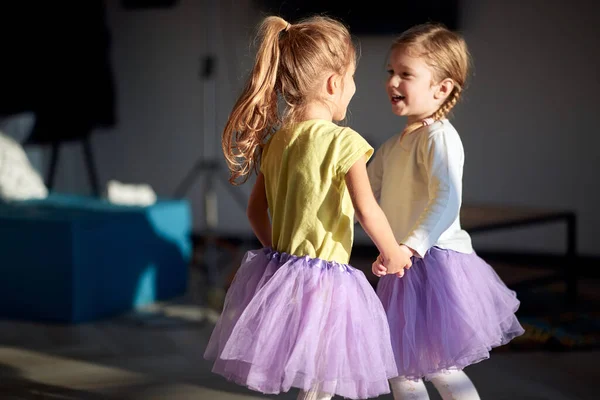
[372, 218]
[258, 212]
[375, 173]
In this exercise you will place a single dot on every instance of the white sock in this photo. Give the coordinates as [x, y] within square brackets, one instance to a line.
[405, 389]
[454, 385]
[313, 395]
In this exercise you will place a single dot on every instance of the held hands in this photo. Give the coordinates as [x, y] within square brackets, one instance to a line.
[398, 261]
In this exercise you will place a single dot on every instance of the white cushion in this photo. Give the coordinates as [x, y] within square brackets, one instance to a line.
[130, 194]
[18, 179]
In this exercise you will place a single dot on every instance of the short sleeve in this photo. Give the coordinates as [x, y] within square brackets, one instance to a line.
[351, 146]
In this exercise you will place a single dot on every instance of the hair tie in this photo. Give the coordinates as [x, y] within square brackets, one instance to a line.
[284, 30]
[428, 121]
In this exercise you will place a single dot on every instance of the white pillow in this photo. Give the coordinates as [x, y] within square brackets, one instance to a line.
[130, 194]
[18, 179]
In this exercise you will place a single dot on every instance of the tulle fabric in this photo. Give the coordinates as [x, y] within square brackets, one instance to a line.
[447, 312]
[302, 322]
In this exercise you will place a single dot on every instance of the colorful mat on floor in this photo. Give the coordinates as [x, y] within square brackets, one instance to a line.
[550, 324]
[567, 331]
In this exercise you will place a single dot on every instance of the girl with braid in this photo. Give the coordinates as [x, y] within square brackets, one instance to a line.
[450, 308]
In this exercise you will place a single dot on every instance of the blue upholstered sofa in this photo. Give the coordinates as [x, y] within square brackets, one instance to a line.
[75, 258]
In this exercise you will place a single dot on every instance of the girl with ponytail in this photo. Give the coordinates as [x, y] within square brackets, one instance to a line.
[296, 314]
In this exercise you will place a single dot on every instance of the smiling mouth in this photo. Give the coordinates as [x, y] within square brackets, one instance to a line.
[398, 98]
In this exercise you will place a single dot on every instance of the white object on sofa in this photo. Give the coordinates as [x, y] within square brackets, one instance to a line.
[130, 194]
[18, 179]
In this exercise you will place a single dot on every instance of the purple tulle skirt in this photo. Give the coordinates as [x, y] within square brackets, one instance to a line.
[302, 322]
[447, 312]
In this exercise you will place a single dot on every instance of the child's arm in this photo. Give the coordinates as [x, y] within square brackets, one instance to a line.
[372, 218]
[258, 212]
[443, 158]
[375, 173]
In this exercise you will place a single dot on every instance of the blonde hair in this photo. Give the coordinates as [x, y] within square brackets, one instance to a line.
[446, 53]
[290, 64]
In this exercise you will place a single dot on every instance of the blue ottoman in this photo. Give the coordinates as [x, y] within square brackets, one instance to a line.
[77, 259]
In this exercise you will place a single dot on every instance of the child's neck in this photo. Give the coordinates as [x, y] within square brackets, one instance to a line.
[316, 111]
[416, 119]
[411, 119]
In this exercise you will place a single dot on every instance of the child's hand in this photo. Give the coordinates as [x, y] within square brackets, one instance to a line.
[399, 261]
[378, 268]
[409, 253]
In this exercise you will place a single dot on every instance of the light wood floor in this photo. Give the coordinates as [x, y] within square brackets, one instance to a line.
[156, 353]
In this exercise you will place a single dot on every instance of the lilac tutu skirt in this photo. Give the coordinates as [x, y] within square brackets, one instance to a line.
[302, 322]
[447, 312]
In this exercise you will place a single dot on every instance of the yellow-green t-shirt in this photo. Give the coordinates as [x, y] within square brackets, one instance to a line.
[304, 166]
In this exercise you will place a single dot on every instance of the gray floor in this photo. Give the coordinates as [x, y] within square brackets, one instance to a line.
[156, 353]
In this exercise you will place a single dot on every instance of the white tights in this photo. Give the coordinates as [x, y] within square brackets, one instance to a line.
[313, 395]
[404, 389]
[451, 385]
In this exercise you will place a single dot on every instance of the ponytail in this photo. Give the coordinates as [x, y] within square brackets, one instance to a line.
[254, 115]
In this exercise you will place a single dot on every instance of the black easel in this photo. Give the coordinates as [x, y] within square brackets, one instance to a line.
[90, 164]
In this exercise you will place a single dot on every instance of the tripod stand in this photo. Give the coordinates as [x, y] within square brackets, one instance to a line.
[209, 165]
[210, 169]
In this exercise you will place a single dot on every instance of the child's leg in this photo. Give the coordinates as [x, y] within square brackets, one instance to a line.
[454, 385]
[313, 395]
[404, 389]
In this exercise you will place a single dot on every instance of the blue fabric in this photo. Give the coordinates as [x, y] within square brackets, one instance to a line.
[77, 258]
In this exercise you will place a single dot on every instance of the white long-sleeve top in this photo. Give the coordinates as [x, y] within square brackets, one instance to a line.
[417, 180]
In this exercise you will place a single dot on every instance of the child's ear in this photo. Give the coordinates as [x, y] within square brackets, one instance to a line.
[445, 87]
[333, 83]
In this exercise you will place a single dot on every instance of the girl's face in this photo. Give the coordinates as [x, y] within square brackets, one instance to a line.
[410, 86]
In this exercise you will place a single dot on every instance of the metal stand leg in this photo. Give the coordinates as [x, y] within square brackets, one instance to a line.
[571, 261]
[88, 159]
[53, 164]
[91, 165]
